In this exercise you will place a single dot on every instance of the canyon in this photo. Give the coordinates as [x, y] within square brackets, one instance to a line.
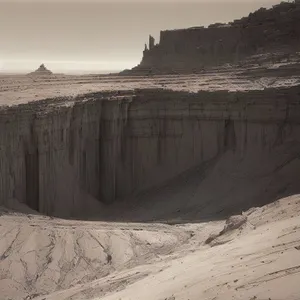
[102, 147]
[175, 180]
[109, 183]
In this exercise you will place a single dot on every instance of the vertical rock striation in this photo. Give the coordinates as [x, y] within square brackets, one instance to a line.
[64, 157]
[264, 32]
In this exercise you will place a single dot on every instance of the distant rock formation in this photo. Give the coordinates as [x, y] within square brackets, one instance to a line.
[42, 70]
[151, 42]
[275, 30]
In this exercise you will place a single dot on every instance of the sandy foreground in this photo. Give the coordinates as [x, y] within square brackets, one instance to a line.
[48, 258]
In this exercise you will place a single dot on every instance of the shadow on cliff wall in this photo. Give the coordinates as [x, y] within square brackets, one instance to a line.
[255, 145]
[222, 187]
[228, 184]
[215, 190]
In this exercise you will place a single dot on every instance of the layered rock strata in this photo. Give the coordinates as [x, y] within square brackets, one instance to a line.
[65, 156]
[275, 30]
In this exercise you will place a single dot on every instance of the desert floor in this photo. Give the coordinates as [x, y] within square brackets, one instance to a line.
[18, 89]
[48, 258]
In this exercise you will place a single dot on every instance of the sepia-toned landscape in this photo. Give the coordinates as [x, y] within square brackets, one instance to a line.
[177, 179]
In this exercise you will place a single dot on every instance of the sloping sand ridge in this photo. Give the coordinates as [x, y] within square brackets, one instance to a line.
[260, 260]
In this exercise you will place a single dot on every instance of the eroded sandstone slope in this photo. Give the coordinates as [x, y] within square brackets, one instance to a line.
[47, 258]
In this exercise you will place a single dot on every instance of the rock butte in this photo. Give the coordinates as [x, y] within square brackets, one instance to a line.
[135, 154]
[273, 31]
[41, 71]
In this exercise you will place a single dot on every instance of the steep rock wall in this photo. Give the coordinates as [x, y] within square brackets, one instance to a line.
[264, 31]
[65, 157]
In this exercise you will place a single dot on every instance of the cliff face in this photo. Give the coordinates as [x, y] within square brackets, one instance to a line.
[65, 157]
[187, 50]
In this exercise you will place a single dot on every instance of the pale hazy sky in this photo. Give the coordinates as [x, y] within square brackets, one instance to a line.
[97, 35]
